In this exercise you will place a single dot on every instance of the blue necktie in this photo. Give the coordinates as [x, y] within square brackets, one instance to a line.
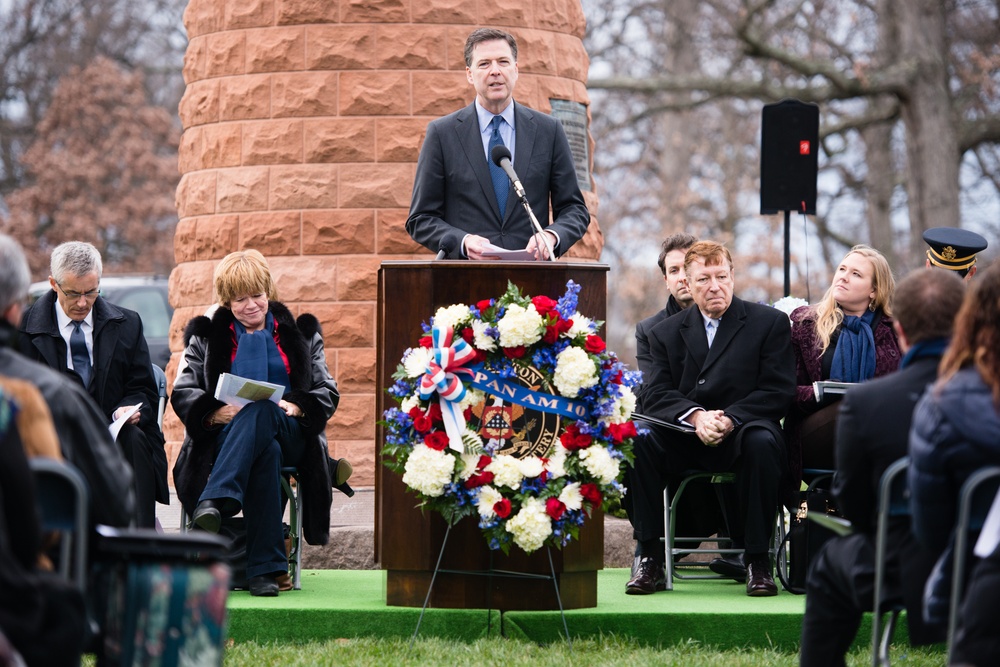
[78, 350]
[710, 331]
[501, 184]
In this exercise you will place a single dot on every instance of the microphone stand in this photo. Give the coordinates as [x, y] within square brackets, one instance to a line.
[536, 225]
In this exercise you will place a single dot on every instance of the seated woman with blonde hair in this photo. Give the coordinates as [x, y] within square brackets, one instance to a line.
[847, 337]
[232, 456]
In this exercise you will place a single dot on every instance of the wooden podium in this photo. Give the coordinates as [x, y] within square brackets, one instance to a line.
[408, 541]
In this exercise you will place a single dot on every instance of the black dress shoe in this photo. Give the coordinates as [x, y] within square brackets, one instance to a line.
[207, 516]
[730, 566]
[760, 583]
[263, 586]
[649, 578]
[340, 471]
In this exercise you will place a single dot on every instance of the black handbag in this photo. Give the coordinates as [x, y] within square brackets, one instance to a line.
[804, 540]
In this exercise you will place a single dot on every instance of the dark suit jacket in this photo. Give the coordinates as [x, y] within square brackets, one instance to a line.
[453, 191]
[642, 329]
[123, 374]
[873, 427]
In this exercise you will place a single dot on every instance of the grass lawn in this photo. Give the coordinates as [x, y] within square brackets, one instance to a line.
[509, 653]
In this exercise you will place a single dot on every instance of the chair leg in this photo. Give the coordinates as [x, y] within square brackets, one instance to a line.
[887, 633]
[295, 530]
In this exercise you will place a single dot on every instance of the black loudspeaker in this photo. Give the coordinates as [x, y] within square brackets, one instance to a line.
[789, 135]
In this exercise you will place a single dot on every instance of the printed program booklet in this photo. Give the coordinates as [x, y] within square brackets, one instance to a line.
[236, 390]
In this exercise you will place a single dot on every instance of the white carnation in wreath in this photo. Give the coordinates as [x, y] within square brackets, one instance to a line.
[531, 526]
[582, 326]
[520, 326]
[556, 466]
[598, 462]
[481, 339]
[451, 316]
[416, 361]
[506, 471]
[571, 497]
[488, 497]
[428, 470]
[623, 407]
[531, 466]
[575, 370]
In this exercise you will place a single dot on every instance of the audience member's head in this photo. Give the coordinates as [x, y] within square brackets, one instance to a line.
[709, 270]
[925, 304]
[15, 278]
[671, 263]
[976, 340]
[75, 275]
[861, 282]
[954, 249]
[243, 273]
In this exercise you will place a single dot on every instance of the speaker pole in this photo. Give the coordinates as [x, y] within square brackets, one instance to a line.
[788, 253]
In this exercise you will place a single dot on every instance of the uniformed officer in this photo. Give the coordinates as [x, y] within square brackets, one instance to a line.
[954, 249]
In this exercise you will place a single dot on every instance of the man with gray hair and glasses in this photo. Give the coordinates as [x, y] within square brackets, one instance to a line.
[82, 429]
[72, 329]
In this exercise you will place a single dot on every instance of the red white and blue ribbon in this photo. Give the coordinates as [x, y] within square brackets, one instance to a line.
[441, 378]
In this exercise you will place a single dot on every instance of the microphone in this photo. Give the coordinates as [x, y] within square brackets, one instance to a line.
[501, 158]
[443, 249]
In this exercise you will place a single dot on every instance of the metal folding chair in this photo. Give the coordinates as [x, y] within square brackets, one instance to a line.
[161, 387]
[670, 508]
[974, 503]
[893, 501]
[63, 501]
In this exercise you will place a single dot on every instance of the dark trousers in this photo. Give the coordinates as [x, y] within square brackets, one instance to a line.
[840, 588]
[977, 641]
[140, 454]
[755, 455]
[252, 449]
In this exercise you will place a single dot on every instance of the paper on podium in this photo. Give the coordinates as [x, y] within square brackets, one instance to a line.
[826, 388]
[521, 255]
[116, 425]
[238, 391]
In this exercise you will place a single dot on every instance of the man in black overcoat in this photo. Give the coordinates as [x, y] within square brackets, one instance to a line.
[726, 369]
[114, 366]
[872, 432]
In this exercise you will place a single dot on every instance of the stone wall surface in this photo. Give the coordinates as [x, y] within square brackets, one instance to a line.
[302, 122]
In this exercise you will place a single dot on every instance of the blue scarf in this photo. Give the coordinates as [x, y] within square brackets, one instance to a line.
[257, 355]
[854, 358]
[928, 348]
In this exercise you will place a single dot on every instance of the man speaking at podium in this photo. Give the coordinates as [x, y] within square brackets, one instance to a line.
[462, 201]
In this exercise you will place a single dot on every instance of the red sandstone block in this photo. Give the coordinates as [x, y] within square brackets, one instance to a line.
[248, 14]
[202, 17]
[190, 285]
[304, 281]
[391, 235]
[399, 139]
[375, 186]
[350, 325]
[272, 232]
[361, 454]
[200, 103]
[356, 371]
[355, 416]
[339, 140]
[185, 235]
[439, 93]
[537, 53]
[357, 278]
[226, 53]
[294, 12]
[245, 97]
[210, 147]
[304, 94]
[242, 189]
[340, 47]
[560, 16]
[456, 47]
[374, 11]
[272, 142]
[338, 231]
[374, 93]
[573, 60]
[196, 194]
[446, 12]
[410, 47]
[196, 60]
[276, 49]
[217, 236]
[510, 15]
[303, 186]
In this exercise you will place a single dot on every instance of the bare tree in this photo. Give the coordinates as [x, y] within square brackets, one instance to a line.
[102, 168]
[909, 133]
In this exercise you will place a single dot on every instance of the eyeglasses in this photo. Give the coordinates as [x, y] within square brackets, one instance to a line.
[75, 296]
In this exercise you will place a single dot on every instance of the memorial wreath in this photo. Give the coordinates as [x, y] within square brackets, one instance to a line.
[513, 411]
